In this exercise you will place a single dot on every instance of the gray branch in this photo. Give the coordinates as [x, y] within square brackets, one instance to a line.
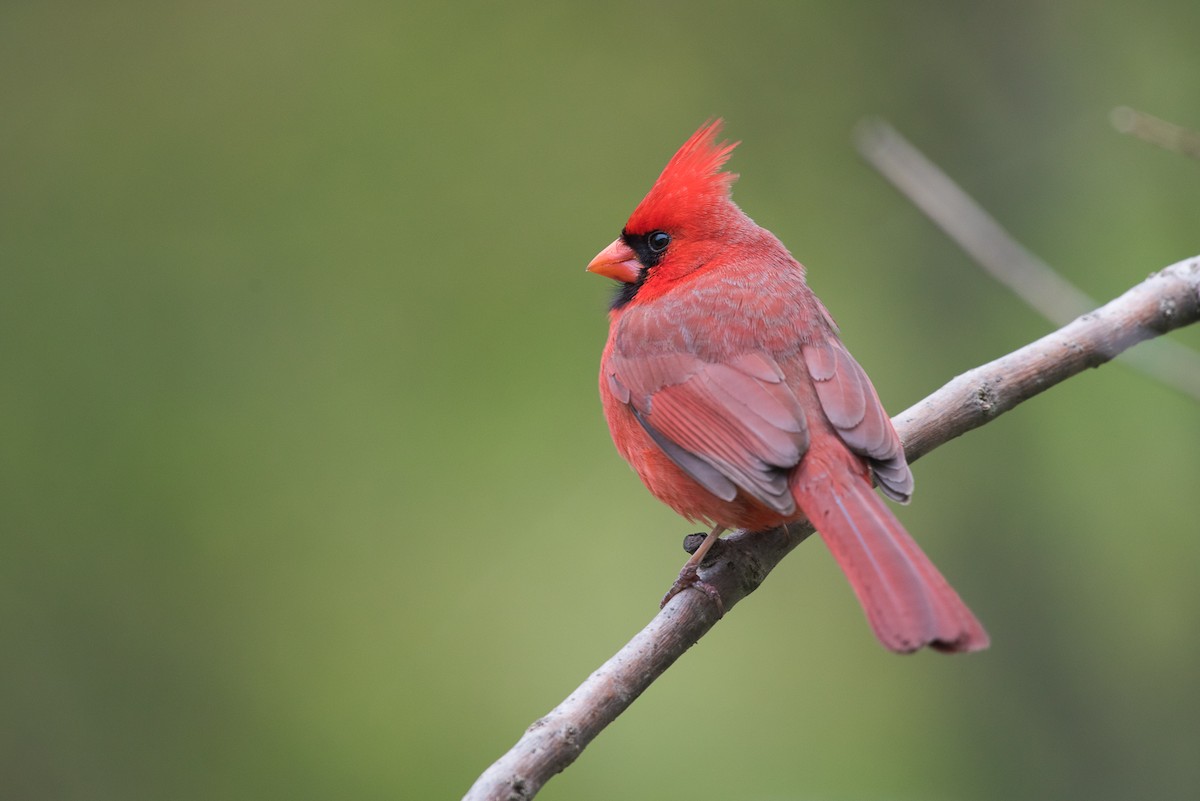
[1165, 301]
[999, 254]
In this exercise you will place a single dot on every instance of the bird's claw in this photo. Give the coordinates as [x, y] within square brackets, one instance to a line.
[689, 577]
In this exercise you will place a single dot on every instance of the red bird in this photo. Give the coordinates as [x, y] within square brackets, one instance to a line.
[726, 388]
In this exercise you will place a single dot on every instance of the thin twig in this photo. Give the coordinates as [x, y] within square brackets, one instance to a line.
[1149, 128]
[1000, 255]
[1166, 300]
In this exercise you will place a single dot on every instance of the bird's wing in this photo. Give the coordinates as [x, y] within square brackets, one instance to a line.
[733, 424]
[852, 406]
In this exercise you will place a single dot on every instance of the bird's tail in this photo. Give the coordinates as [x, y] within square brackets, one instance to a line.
[907, 601]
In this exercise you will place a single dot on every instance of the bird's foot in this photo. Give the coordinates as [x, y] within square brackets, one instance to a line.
[699, 546]
[690, 579]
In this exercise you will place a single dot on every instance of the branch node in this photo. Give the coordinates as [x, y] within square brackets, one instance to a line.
[692, 542]
[985, 399]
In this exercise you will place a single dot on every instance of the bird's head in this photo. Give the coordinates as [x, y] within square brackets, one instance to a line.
[678, 226]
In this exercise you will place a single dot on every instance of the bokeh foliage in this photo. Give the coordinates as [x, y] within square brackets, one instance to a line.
[304, 490]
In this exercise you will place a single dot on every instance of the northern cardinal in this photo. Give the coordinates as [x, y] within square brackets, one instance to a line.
[727, 390]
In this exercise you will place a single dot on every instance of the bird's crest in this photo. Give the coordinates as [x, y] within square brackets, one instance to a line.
[691, 186]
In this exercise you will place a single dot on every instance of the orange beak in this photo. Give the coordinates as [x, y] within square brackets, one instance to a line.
[617, 261]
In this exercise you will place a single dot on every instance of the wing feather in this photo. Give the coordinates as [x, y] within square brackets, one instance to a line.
[734, 424]
[851, 404]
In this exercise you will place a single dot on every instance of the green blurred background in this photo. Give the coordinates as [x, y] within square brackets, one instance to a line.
[304, 486]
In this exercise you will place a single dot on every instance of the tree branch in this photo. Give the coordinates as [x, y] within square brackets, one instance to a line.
[1149, 128]
[1165, 301]
[999, 254]
[739, 563]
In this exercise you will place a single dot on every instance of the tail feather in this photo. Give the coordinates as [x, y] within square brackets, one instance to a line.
[907, 601]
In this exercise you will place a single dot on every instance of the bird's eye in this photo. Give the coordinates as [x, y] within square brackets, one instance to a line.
[658, 241]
